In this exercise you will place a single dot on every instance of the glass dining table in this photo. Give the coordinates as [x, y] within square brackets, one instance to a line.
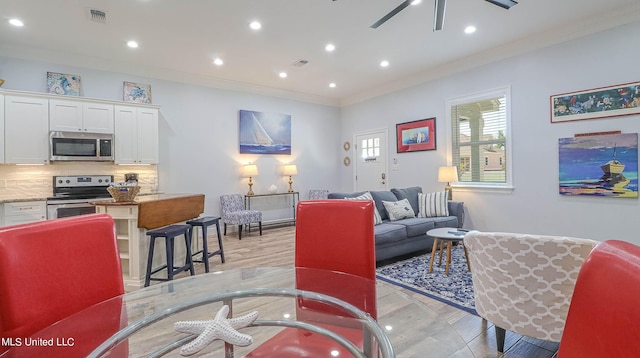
[141, 323]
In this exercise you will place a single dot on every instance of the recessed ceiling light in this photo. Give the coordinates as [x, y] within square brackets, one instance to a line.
[330, 47]
[282, 75]
[384, 63]
[255, 25]
[332, 85]
[218, 61]
[469, 29]
[416, 2]
[16, 22]
[132, 44]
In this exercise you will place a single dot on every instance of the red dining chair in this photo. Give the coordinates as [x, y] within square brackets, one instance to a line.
[52, 269]
[331, 235]
[604, 311]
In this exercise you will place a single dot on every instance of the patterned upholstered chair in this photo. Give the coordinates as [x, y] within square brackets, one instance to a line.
[524, 283]
[234, 213]
[318, 194]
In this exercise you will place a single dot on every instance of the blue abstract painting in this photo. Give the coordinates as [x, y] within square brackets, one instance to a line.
[137, 92]
[60, 83]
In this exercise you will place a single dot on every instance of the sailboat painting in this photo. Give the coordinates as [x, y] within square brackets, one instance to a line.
[265, 133]
[599, 165]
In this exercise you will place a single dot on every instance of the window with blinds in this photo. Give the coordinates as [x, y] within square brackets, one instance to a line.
[480, 145]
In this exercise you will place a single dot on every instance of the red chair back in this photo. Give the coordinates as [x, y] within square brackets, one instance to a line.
[336, 235]
[52, 269]
[331, 235]
[605, 308]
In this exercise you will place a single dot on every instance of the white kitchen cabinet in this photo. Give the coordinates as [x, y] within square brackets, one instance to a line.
[80, 116]
[26, 129]
[136, 135]
[24, 212]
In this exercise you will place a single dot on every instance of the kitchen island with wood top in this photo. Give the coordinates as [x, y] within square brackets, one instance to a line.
[147, 212]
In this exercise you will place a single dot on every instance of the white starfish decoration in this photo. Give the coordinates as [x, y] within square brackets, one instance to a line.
[220, 327]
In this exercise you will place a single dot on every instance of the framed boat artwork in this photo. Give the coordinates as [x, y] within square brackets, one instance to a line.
[599, 165]
[264, 133]
[416, 136]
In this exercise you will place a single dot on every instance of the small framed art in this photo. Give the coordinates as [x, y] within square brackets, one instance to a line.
[136, 92]
[416, 136]
[61, 83]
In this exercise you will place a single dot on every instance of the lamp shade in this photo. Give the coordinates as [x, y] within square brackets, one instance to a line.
[250, 170]
[290, 169]
[447, 174]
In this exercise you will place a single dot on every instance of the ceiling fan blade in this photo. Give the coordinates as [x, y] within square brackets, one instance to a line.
[505, 4]
[391, 14]
[438, 16]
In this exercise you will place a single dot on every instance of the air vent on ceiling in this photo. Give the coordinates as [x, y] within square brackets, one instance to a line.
[299, 63]
[98, 16]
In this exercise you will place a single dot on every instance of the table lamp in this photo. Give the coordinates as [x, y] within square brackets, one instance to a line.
[249, 170]
[290, 169]
[447, 175]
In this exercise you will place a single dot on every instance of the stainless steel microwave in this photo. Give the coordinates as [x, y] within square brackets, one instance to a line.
[71, 146]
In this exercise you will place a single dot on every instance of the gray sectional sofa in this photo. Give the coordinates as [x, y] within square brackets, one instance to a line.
[395, 238]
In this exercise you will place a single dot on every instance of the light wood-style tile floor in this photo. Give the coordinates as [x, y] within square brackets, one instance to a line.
[275, 248]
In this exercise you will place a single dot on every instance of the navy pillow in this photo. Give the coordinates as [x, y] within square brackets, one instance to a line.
[345, 195]
[410, 194]
[378, 197]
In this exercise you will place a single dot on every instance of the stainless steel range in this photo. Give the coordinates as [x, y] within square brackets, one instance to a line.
[71, 194]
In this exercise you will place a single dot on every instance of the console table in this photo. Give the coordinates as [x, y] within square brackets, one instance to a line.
[295, 197]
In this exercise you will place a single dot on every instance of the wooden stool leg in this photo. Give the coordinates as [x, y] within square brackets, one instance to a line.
[189, 257]
[205, 251]
[433, 253]
[169, 248]
[466, 257]
[446, 271]
[220, 241]
[147, 279]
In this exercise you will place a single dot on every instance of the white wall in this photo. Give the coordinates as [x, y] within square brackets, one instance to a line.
[602, 59]
[199, 133]
[199, 145]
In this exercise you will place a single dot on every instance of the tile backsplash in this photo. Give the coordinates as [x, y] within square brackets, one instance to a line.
[36, 181]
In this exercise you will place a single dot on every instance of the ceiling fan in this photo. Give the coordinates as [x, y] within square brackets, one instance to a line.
[440, 5]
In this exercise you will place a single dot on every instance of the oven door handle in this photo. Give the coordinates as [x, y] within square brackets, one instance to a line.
[78, 205]
[52, 209]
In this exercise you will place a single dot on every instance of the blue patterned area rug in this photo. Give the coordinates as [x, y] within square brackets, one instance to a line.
[413, 274]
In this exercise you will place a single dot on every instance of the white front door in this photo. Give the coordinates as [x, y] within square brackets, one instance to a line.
[371, 160]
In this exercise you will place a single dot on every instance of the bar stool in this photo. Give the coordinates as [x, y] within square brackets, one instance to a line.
[203, 223]
[169, 233]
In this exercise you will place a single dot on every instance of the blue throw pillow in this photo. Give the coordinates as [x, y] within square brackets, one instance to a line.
[410, 194]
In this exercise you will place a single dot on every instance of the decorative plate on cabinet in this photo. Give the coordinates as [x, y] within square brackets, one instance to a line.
[346, 145]
[346, 161]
